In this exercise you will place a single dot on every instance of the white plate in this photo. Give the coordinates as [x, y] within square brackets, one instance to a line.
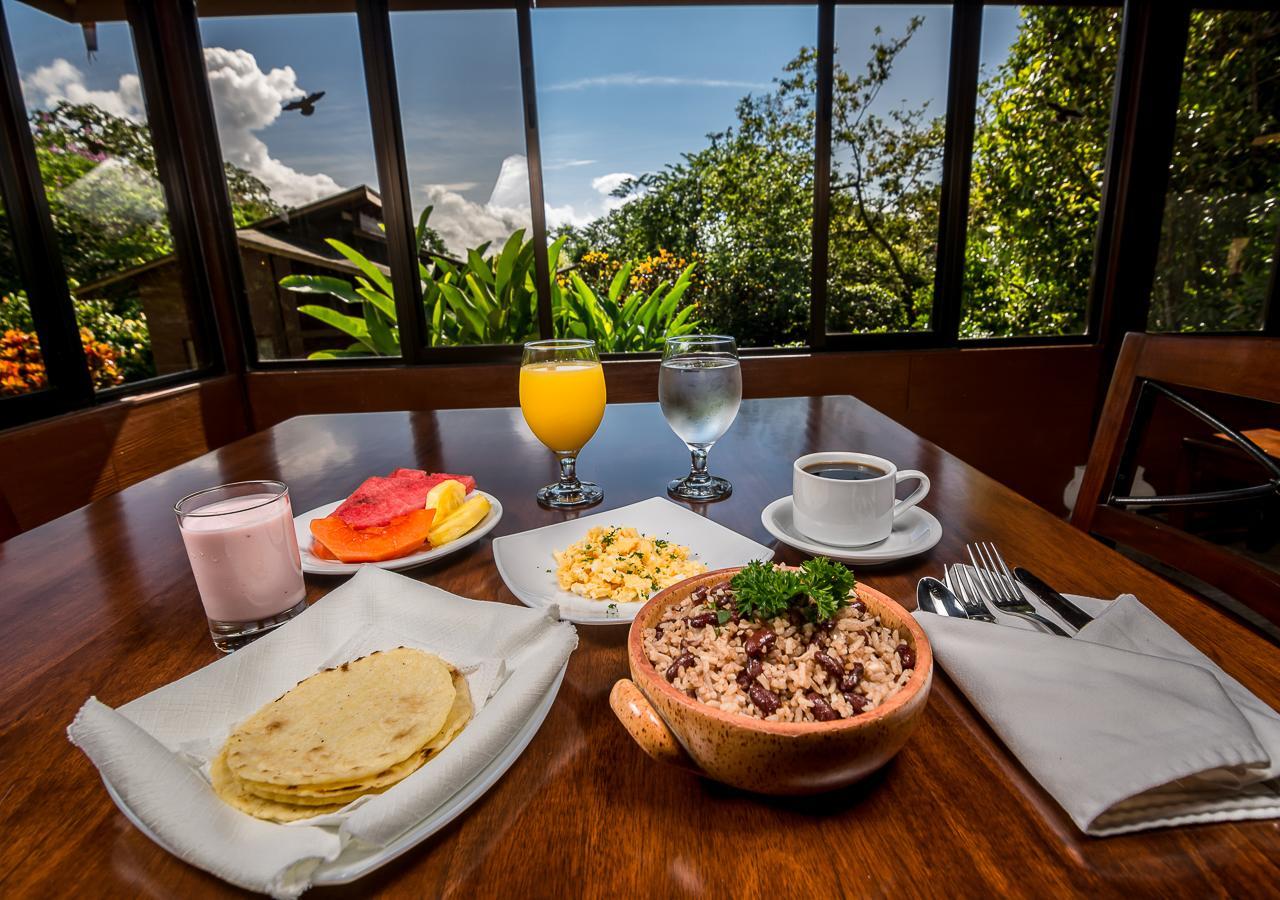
[525, 562]
[915, 532]
[356, 862]
[317, 566]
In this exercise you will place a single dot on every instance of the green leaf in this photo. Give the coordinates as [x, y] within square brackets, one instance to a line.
[361, 262]
[380, 302]
[619, 282]
[348, 325]
[320, 284]
[379, 332]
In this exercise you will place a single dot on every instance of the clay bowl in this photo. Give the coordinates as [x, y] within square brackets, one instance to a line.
[760, 756]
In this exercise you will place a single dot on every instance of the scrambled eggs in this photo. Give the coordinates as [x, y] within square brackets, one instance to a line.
[622, 565]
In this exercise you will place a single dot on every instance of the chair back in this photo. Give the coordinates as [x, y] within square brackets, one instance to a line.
[1171, 366]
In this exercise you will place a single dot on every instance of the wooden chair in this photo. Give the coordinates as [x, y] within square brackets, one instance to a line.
[1246, 367]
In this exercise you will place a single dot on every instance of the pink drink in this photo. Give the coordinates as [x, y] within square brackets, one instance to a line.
[243, 550]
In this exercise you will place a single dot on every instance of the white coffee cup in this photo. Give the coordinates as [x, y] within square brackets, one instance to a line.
[850, 513]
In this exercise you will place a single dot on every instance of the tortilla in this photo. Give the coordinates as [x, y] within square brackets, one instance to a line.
[346, 725]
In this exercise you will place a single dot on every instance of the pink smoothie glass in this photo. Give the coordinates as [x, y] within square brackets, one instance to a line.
[244, 554]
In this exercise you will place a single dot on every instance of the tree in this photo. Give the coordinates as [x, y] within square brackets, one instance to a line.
[1222, 210]
[1037, 174]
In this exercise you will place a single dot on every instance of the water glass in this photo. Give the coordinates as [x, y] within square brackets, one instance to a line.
[562, 397]
[700, 390]
[244, 555]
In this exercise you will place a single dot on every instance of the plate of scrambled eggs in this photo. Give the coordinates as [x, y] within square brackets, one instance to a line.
[602, 568]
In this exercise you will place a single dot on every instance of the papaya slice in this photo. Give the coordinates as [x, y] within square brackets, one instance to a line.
[399, 537]
[320, 551]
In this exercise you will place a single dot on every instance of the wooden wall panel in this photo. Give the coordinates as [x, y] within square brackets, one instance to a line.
[50, 468]
[1022, 415]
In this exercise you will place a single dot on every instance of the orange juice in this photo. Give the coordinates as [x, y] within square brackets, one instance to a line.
[563, 402]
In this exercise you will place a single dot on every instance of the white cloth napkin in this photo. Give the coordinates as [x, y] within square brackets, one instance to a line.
[1126, 725]
[151, 751]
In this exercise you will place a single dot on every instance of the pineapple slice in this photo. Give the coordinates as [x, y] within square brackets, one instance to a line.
[460, 521]
[446, 498]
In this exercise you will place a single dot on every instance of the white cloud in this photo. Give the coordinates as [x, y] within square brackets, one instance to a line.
[634, 79]
[567, 164]
[60, 81]
[464, 223]
[245, 101]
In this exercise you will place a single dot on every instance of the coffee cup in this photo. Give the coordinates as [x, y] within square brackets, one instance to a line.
[848, 499]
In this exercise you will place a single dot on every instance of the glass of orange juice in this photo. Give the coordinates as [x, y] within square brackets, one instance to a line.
[562, 398]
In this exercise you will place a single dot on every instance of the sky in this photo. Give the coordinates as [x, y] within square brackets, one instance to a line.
[620, 92]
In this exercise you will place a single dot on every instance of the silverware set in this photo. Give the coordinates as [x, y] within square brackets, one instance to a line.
[987, 586]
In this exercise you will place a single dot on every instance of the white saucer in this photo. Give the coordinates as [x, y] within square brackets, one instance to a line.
[915, 532]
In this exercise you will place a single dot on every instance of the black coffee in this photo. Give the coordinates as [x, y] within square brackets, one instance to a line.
[845, 471]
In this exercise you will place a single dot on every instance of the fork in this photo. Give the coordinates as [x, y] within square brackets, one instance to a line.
[973, 605]
[994, 583]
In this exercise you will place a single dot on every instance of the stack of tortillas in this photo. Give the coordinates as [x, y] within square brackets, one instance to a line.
[345, 732]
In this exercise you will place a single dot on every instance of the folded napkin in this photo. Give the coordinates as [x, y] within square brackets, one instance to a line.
[1126, 725]
[151, 751]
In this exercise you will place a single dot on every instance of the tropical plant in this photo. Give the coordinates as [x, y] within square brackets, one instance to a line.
[492, 300]
[621, 323]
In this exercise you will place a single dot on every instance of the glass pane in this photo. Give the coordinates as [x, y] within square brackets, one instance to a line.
[463, 114]
[98, 166]
[676, 138]
[1044, 108]
[1174, 452]
[1222, 211]
[888, 126]
[293, 122]
[21, 366]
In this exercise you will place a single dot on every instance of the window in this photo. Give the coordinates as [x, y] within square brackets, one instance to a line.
[1222, 211]
[109, 209]
[293, 123]
[21, 365]
[677, 148]
[463, 115]
[1044, 107]
[887, 136]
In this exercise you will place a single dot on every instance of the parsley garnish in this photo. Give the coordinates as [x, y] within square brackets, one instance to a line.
[660, 544]
[609, 538]
[819, 589]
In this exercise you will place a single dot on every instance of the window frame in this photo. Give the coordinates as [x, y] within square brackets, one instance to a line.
[1152, 45]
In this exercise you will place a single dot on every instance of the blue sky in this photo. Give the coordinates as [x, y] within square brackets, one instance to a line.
[621, 91]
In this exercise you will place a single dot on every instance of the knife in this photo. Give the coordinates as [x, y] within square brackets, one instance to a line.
[934, 596]
[1073, 615]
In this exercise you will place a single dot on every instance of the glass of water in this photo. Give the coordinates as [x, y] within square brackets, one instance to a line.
[700, 389]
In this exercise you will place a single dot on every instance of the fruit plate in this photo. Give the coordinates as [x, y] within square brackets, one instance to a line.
[314, 565]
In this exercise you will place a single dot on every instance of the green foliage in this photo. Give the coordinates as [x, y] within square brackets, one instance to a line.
[1222, 210]
[621, 323]
[121, 326]
[492, 300]
[1037, 174]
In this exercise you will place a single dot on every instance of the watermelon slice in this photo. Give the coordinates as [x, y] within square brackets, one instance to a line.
[379, 500]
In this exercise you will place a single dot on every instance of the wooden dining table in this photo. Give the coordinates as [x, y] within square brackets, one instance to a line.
[102, 602]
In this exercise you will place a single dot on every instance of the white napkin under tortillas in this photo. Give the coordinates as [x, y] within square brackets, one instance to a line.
[1126, 724]
[152, 750]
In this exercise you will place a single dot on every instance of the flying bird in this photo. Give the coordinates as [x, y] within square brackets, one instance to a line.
[307, 104]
